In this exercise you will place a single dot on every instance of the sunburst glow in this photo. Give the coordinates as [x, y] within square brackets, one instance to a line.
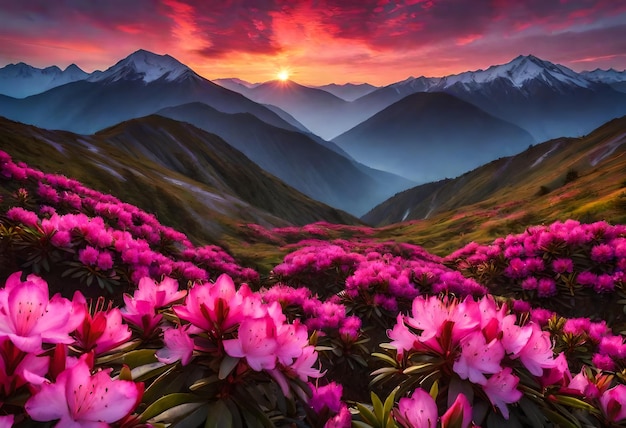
[283, 75]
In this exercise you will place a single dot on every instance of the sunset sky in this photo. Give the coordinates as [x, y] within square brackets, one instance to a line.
[378, 41]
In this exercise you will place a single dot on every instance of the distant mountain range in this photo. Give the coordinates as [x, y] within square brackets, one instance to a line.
[350, 146]
[191, 179]
[580, 178]
[21, 80]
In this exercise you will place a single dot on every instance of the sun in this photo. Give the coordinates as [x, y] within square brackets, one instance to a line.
[283, 75]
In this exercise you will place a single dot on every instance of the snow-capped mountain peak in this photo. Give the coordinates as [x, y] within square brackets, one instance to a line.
[521, 70]
[605, 76]
[21, 80]
[143, 65]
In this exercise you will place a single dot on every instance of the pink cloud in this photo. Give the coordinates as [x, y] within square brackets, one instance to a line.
[379, 41]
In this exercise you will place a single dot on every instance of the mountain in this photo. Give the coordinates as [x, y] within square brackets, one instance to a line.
[136, 86]
[295, 158]
[616, 79]
[194, 180]
[21, 80]
[546, 99]
[318, 110]
[429, 136]
[580, 178]
[348, 91]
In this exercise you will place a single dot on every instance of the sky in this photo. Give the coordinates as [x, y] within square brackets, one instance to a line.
[316, 41]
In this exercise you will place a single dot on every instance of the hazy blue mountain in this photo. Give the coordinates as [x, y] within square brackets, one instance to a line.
[430, 136]
[21, 80]
[138, 85]
[295, 158]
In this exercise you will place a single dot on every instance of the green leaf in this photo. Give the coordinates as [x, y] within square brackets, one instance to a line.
[385, 358]
[218, 416]
[193, 419]
[434, 390]
[366, 414]
[227, 365]
[417, 368]
[378, 406]
[148, 371]
[166, 403]
[201, 383]
[575, 403]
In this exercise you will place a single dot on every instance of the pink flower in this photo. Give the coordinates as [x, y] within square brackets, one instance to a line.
[478, 358]
[161, 294]
[18, 368]
[402, 338]
[103, 331]
[213, 307]
[613, 403]
[79, 399]
[418, 411]
[327, 396]
[141, 314]
[178, 346]
[459, 414]
[537, 354]
[6, 421]
[343, 419]
[303, 365]
[88, 256]
[501, 389]
[256, 342]
[28, 318]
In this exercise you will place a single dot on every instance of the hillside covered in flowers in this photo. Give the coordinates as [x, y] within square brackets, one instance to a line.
[109, 318]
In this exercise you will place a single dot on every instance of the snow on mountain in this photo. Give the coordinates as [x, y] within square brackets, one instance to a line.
[146, 66]
[22, 80]
[605, 76]
[228, 82]
[518, 72]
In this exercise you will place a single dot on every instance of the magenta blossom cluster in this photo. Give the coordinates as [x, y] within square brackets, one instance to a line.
[36, 333]
[420, 410]
[563, 258]
[371, 274]
[115, 234]
[328, 316]
[479, 341]
[240, 324]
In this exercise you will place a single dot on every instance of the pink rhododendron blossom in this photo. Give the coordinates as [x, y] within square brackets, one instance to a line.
[326, 396]
[178, 346]
[402, 338]
[213, 307]
[79, 399]
[459, 414]
[256, 342]
[6, 421]
[303, 365]
[478, 358]
[28, 317]
[558, 374]
[613, 403]
[501, 388]
[343, 419]
[537, 354]
[102, 331]
[18, 368]
[142, 314]
[161, 294]
[514, 337]
[420, 410]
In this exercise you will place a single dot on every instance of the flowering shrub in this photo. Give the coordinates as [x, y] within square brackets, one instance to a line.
[108, 318]
[572, 268]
